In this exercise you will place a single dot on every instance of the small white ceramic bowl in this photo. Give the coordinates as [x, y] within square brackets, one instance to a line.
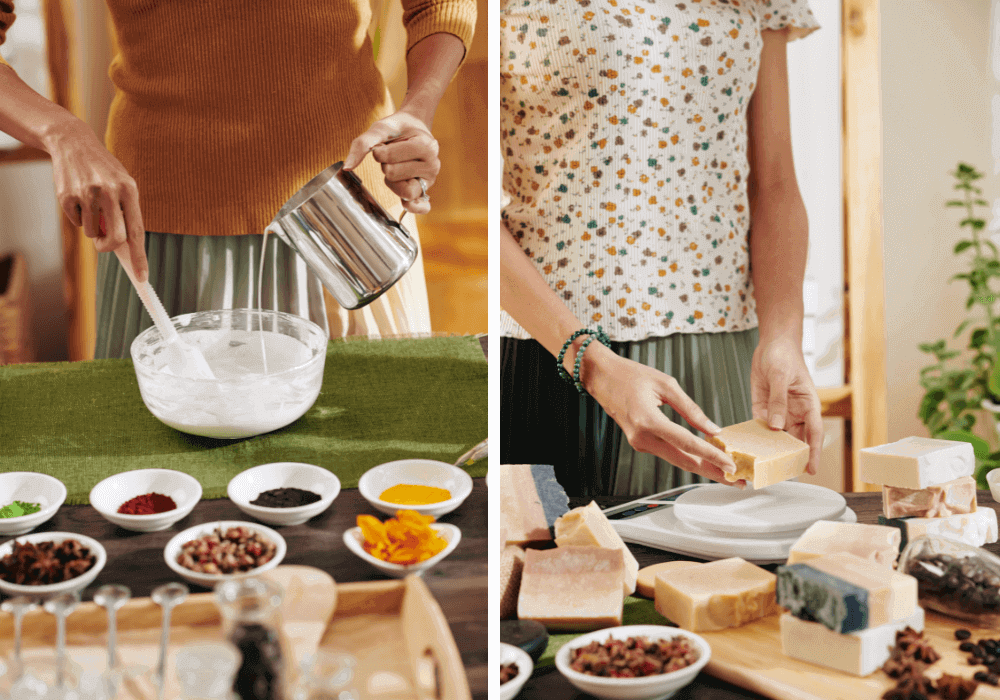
[656, 687]
[173, 549]
[425, 472]
[246, 486]
[510, 654]
[30, 487]
[993, 479]
[109, 494]
[73, 584]
[354, 541]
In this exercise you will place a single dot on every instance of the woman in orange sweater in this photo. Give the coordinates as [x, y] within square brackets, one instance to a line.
[222, 111]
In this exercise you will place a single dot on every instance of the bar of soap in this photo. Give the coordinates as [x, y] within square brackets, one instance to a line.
[587, 526]
[531, 500]
[572, 589]
[916, 462]
[846, 593]
[715, 596]
[878, 543]
[858, 653]
[974, 529]
[645, 580]
[953, 497]
[509, 572]
[763, 456]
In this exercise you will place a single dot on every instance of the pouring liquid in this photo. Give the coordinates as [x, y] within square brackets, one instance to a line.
[260, 304]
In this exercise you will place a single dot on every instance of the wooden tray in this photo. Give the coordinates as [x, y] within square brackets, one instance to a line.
[395, 629]
[750, 657]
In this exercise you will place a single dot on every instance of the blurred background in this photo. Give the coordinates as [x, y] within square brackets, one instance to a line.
[63, 48]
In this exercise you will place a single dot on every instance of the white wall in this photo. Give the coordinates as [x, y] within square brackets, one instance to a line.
[936, 93]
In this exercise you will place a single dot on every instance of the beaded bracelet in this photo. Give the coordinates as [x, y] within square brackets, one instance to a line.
[574, 379]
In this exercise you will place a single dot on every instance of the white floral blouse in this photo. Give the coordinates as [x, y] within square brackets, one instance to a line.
[623, 128]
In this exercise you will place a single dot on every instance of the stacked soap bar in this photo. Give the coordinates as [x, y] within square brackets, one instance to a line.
[569, 588]
[531, 500]
[846, 593]
[878, 543]
[763, 456]
[573, 589]
[842, 610]
[928, 489]
[716, 595]
[589, 527]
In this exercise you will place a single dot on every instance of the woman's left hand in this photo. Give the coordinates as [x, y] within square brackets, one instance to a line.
[408, 152]
[784, 395]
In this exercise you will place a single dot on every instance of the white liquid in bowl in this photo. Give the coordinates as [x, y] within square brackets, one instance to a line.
[242, 400]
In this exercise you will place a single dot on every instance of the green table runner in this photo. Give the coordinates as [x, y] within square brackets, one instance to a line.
[381, 400]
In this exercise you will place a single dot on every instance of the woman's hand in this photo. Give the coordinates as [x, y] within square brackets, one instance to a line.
[784, 395]
[632, 393]
[408, 152]
[96, 192]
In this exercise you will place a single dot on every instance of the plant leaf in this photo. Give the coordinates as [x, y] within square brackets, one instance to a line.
[962, 245]
[980, 447]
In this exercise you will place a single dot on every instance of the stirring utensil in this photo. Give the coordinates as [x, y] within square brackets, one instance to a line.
[18, 607]
[476, 453]
[183, 356]
[61, 606]
[111, 598]
[166, 596]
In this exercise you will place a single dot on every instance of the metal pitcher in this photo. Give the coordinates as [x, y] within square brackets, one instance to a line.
[346, 238]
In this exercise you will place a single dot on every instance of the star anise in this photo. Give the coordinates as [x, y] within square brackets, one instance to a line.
[899, 666]
[912, 643]
[955, 687]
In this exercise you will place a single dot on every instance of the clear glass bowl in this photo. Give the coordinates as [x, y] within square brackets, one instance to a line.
[955, 579]
[242, 400]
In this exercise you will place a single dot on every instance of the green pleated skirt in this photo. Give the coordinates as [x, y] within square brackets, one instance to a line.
[545, 421]
[202, 273]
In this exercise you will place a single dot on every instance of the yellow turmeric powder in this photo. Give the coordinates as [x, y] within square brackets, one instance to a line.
[414, 495]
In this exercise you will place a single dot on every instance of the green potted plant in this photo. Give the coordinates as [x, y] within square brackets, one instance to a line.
[956, 391]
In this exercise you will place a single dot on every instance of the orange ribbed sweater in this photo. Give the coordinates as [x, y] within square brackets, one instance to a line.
[224, 109]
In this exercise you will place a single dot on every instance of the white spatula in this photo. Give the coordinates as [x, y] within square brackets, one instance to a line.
[183, 359]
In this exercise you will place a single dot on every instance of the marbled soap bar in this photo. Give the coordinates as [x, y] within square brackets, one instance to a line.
[846, 593]
[974, 529]
[953, 497]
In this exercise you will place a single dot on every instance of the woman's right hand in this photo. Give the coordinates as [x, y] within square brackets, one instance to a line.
[96, 192]
[631, 393]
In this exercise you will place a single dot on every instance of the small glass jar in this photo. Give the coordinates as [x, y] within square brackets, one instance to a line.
[955, 579]
[251, 618]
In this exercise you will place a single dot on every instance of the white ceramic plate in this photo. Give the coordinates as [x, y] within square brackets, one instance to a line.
[426, 472]
[510, 654]
[173, 549]
[662, 530]
[73, 584]
[30, 487]
[645, 688]
[785, 507]
[108, 496]
[354, 539]
[247, 485]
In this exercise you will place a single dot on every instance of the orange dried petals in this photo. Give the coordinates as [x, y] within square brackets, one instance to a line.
[406, 539]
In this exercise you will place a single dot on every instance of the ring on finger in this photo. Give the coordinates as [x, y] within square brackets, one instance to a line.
[423, 189]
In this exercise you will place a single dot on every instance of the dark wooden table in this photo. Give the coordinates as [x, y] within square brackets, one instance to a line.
[458, 582]
[548, 684]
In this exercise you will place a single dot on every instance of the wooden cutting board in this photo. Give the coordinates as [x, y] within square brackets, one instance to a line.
[750, 657]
